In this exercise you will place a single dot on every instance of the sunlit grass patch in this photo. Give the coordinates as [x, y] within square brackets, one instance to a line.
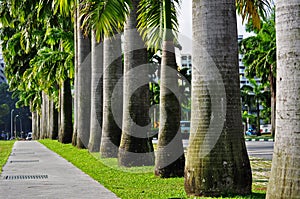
[5, 150]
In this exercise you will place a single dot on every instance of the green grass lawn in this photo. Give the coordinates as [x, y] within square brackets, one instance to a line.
[137, 182]
[263, 136]
[5, 150]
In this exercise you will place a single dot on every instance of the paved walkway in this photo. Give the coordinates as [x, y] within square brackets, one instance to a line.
[33, 171]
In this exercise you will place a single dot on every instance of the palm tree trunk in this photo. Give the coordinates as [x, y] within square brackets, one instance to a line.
[44, 116]
[257, 116]
[53, 121]
[170, 155]
[66, 126]
[111, 131]
[76, 30]
[273, 101]
[96, 95]
[285, 173]
[38, 126]
[34, 125]
[135, 145]
[217, 161]
[83, 89]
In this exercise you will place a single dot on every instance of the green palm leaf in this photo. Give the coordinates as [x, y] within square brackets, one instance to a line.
[105, 16]
[253, 9]
[151, 21]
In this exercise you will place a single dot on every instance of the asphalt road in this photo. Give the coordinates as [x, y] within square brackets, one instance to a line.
[260, 149]
[255, 148]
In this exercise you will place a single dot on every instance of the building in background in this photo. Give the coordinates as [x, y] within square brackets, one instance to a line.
[186, 62]
[243, 80]
[2, 66]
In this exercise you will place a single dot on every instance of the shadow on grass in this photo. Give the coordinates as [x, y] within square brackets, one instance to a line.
[258, 195]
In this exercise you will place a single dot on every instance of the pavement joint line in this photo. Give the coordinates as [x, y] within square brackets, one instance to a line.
[23, 161]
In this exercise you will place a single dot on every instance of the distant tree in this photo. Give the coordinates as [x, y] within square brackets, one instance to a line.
[259, 56]
[4, 110]
[254, 95]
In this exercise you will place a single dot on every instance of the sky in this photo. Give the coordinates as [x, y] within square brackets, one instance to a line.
[185, 26]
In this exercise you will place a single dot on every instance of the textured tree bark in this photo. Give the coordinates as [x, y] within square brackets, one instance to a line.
[66, 126]
[135, 147]
[96, 95]
[217, 162]
[112, 62]
[38, 126]
[44, 116]
[83, 89]
[76, 30]
[273, 101]
[285, 173]
[53, 121]
[35, 133]
[170, 159]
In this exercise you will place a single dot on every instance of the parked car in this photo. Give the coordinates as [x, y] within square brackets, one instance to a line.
[265, 128]
[29, 136]
[250, 132]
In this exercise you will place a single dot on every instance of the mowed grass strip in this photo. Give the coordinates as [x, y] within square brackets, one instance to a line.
[5, 150]
[129, 183]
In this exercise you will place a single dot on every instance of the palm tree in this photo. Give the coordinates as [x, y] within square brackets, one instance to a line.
[285, 174]
[83, 89]
[53, 121]
[66, 125]
[169, 147]
[96, 95]
[35, 125]
[158, 24]
[103, 18]
[44, 116]
[112, 73]
[135, 147]
[35, 67]
[217, 161]
[75, 14]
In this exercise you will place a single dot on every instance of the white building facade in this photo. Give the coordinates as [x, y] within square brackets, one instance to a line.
[243, 80]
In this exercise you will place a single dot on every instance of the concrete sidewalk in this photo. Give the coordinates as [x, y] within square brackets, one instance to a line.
[33, 171]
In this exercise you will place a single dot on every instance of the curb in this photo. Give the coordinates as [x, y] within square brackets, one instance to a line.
[259, 140]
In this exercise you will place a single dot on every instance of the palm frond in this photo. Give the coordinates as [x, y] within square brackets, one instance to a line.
[105, 17]
[65, 7]
[254, 10]
[151, 21]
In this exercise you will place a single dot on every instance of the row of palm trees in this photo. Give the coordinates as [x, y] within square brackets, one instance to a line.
[116, 124]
